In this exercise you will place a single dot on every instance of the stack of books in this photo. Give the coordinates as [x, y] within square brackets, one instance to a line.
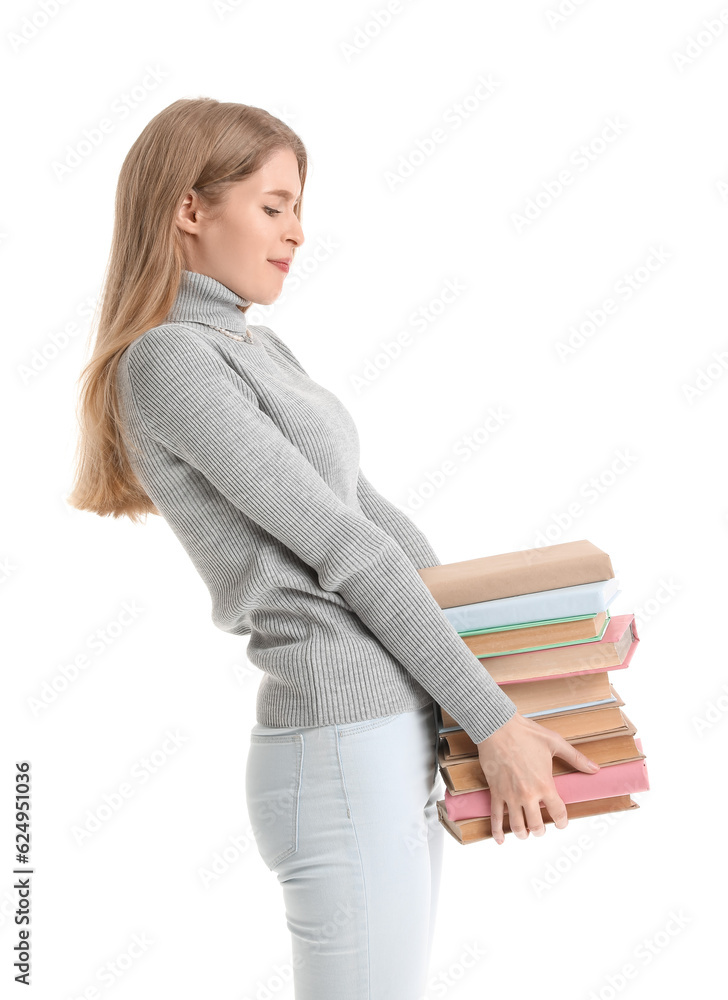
[539, 620]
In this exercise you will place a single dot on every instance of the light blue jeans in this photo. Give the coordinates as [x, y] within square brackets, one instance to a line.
[345, 816]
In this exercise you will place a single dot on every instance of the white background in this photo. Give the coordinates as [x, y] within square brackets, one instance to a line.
[648, 205]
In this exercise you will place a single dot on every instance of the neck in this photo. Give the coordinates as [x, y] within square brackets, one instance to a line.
[202, 299]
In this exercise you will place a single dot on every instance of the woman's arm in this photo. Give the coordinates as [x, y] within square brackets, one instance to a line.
[198, 407]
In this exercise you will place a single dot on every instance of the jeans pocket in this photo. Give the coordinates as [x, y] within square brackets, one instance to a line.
[272, 790]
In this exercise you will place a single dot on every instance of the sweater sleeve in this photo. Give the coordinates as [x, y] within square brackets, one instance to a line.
[197, 406]
[396, 523]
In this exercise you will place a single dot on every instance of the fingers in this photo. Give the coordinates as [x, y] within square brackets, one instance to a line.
[576, 758]
[531, 810]
[496, 818]
[585, 763]
[534, 819]
[556, 808]
[516, 820]
[529, 802]
[516, 823]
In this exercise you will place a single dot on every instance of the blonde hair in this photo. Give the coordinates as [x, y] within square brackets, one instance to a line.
[196, 143]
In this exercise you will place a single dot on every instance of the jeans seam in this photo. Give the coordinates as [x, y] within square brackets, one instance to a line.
[358, 851]
[367, 726]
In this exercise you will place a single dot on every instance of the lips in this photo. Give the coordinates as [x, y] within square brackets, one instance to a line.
[282, 264]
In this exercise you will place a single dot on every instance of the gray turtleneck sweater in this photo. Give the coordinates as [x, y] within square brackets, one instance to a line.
[256, 469]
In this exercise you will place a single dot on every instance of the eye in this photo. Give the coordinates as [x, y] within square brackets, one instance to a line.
[271, 211]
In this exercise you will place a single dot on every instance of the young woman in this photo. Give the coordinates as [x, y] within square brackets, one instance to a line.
[189, 412]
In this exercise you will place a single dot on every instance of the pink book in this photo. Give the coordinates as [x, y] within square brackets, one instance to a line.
[594, 656]
[576, 786]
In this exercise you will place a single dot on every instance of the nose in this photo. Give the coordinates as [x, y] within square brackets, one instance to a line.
[295, 234]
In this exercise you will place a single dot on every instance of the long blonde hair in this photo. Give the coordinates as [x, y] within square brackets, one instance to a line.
[196, 143]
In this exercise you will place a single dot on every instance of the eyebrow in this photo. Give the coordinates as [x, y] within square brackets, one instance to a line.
[281, 194]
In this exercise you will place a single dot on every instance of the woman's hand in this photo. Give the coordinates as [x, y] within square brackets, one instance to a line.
[517, 762]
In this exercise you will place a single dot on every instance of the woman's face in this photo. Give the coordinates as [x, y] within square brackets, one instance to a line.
[255, 226]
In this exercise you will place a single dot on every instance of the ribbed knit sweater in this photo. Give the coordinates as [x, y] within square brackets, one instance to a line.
[255, 467]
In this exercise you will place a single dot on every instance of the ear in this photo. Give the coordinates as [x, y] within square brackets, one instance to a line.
[186, 217]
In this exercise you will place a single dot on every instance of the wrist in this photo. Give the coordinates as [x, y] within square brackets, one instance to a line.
[496, 731]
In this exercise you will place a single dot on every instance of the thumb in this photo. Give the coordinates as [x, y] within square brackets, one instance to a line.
[576, 758]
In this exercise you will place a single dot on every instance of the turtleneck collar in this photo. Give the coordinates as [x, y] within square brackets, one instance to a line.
[202, 299]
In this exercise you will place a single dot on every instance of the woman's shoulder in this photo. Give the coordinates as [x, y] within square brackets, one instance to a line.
[174, 357]
[171, 343]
